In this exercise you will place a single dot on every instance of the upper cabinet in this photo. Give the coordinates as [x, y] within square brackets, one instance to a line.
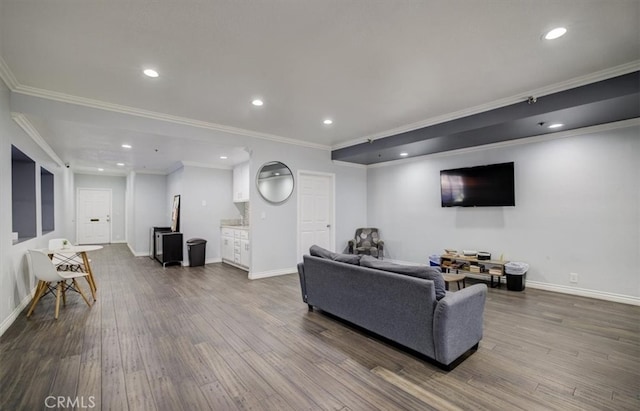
[241, 183]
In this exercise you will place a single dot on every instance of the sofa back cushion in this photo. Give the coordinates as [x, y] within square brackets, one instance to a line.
[426, 272]
[318, 251]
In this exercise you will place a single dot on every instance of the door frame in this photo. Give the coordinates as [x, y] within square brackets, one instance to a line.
[78, 189]
[332, 188]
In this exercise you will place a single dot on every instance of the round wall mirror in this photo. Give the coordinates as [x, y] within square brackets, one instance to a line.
[275, 182]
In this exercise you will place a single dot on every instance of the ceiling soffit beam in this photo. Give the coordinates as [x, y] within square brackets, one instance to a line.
[615, 99]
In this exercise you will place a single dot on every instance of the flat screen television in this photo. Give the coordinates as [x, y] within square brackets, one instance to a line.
[482, 186]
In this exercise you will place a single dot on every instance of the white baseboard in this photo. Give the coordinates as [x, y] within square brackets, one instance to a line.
[185, 263]
[582, 292]
[16, 312]
[231, 263]
[119, 242]
[135, 253]
[272, 273]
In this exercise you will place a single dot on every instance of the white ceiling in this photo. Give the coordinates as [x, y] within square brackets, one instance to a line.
[373, 66]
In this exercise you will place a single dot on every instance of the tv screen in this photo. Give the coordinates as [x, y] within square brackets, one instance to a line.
[483, 186]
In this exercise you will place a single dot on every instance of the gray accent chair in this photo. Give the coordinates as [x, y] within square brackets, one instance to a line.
[398, 307]
[367, 242]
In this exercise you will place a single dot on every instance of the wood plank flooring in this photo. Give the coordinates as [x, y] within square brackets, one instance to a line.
[207, 338]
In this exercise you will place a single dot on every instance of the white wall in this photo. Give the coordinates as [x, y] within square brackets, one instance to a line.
[118, 186]
[206, 199]
[577, 210]
[174, 187]
[149, 210]
[268, 256]
[274, 238]
[15, 280]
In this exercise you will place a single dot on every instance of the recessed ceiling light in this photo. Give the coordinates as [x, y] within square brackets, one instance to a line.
[120, 164]
[257, 102]
[555, 33]
[101, 169]
[404, 154]
[150, 73]
[328, 121]
[556, 125]
[223, 157]
[126, 146]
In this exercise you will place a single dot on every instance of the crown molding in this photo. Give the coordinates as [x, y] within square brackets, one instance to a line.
[122, 109]
[205, 165]
[7, 76]
[521, 141]
[540, 92]
[91, 171]
[12, 83]
[32, 132]
[149, 172]
[348, 164]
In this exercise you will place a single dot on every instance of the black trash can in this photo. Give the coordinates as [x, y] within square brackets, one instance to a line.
[196, 248]
[515, 282]
[516, 273]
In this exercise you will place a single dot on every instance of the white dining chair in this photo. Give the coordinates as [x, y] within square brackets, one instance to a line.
[51, 280]
[64, 261]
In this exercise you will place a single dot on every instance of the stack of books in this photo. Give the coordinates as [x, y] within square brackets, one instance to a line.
[495, 270]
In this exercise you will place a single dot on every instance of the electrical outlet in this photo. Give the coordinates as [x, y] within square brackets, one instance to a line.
[573, 277]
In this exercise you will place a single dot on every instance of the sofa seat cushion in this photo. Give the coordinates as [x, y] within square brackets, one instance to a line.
[426, 272]
[318, 251]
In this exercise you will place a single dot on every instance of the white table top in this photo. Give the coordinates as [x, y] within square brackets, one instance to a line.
[74, 249]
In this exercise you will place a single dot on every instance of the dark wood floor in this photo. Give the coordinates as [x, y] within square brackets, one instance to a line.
[207, 338]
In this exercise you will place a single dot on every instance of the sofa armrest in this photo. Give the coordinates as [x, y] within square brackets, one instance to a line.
[457, 322]
[303, 284]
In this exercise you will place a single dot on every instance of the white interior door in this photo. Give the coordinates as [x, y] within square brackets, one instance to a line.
[315, 211]
[93, 216]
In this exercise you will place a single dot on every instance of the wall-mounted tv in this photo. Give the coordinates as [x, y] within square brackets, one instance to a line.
[483, 186]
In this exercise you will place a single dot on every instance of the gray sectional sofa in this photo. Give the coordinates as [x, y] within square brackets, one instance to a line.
[402, 308]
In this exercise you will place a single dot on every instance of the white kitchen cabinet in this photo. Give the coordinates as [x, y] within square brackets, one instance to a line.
[226, 240]
[235, 248]
[245, 250]
[241, 183]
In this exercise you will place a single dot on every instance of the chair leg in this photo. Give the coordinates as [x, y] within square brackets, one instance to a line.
[59, 291]
[75, 284]
[93, 292]
[39, 292]
[64, 293]
[87, 268]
